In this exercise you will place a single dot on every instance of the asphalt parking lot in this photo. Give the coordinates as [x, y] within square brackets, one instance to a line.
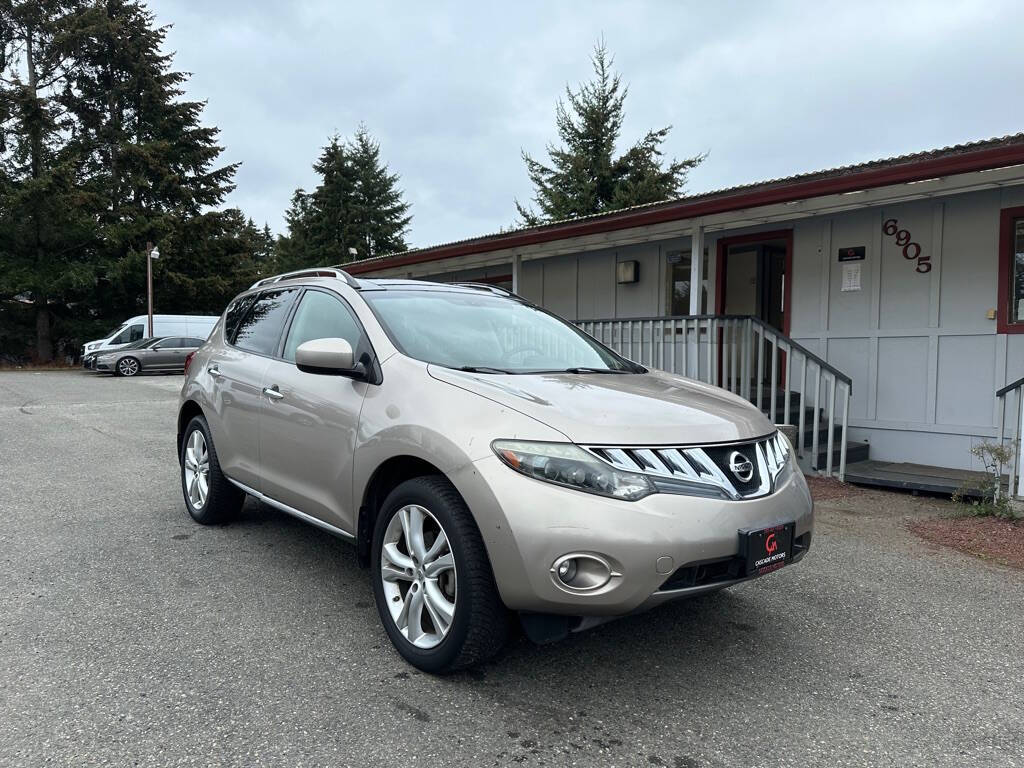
[131, 636]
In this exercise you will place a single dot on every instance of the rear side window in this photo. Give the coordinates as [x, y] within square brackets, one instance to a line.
[191, 342]
[234, 315]
[321, 316]
[260, 331]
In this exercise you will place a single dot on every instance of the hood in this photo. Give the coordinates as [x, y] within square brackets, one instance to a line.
[620, 409]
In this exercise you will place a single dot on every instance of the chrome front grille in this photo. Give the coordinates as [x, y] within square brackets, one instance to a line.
[708, 465]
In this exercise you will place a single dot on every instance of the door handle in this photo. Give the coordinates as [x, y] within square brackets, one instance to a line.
[272, 392]
[214, 371]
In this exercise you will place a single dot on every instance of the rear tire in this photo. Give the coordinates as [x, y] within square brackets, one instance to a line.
[446, 595]
[127, 366]
[209, 496]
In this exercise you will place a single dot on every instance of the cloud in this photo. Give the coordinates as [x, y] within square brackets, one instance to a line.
[454, 92]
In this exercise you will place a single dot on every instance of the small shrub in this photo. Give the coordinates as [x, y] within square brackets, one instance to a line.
[987, 497]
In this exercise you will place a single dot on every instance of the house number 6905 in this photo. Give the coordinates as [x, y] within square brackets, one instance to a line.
[911, 250]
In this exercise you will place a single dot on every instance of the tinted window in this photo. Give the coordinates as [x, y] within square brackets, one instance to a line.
[321, 316]
[192, 342]
[172, 343]
[234, 315]
[260, 331]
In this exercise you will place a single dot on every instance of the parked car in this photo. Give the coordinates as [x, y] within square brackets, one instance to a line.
[485, 457]
[161, 354]
[135, 329]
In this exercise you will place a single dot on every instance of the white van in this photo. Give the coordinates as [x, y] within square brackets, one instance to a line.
[136, 328]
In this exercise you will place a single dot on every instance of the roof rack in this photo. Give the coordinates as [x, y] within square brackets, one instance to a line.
[335, 272]
[486, 287]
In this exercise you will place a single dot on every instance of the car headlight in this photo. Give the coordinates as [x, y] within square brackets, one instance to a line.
[571, 466]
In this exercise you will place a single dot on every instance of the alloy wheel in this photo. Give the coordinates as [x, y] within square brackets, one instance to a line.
[128, 366]
[197, 470]
[417, 568]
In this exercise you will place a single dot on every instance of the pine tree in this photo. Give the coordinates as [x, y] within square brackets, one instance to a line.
[100, 154]
[152, 165]
[331, 228]
[583, 176]
[356, 206]
[45, 236]
[380, 215]
[293, 250]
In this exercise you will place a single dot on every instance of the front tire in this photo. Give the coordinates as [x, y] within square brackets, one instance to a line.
[127, 366]
[209, 496]
[432, 580]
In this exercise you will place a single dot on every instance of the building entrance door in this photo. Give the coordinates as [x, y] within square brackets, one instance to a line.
[753, 272]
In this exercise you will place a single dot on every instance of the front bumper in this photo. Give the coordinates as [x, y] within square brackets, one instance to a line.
[103, 365]
[528, 524]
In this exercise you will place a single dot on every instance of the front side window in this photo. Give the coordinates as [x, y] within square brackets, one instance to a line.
[131, 333]
[321, 316]
[491, 333]
[1016, 313]
[260, 331]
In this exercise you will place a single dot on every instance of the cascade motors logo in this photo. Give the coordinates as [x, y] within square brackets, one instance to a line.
[773, 557]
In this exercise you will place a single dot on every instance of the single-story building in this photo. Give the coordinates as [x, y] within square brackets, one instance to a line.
[882, 303]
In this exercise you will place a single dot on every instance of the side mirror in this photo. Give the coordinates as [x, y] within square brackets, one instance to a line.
[332, 357]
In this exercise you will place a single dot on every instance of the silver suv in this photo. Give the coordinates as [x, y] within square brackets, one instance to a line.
[486, 458]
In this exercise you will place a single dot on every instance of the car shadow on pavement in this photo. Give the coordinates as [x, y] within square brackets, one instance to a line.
[710, 646]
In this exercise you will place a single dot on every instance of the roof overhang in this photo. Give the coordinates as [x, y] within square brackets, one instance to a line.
[932, 176]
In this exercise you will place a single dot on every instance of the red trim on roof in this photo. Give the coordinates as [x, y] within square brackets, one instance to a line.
[771, 193]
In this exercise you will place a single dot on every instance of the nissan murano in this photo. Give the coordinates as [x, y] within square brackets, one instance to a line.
[489, 461]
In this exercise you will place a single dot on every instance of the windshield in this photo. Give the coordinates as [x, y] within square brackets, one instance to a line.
[111, 334]
[488, 333]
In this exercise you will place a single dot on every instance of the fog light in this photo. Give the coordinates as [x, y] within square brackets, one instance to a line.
[582, 572]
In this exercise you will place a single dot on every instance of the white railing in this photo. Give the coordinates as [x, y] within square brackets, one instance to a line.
[747, 357]
[1016, 484]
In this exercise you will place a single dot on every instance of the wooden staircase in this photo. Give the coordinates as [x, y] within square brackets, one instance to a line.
[855, 451]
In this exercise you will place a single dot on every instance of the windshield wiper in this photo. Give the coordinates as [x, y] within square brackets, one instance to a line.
[592, 370]
[482, 369]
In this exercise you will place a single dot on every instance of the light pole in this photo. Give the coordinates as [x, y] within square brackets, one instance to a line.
[152, 252]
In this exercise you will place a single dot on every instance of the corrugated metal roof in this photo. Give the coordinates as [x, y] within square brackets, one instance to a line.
[839, 172]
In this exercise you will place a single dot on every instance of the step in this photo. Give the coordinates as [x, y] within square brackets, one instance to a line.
[837, 435]
[855, 452]
[913, 477]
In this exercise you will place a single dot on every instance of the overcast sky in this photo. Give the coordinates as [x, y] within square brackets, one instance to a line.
[453, 92]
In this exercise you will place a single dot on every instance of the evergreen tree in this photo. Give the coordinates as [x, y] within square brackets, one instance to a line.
[293, 250]
[583, 176]
[332, 226]
[380, 215]
[152, 165]
[357, 205]
[100, 154]
[45, 235]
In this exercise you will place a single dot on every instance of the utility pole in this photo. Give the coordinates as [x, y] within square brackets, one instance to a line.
[151, 253]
